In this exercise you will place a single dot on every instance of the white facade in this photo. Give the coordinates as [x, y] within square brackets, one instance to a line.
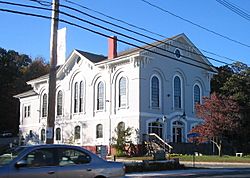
[148, 91]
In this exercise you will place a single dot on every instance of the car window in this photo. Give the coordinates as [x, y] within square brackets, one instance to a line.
[40, 157]
[72, 156]
[10, 154]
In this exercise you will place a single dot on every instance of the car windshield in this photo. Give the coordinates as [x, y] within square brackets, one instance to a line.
[8, 156]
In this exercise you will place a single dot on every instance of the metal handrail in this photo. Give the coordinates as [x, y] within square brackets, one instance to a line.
[159, 138]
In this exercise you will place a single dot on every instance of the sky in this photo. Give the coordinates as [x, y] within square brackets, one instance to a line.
[31, 35]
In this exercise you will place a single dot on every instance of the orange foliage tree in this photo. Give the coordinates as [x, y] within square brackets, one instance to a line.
[221, 120]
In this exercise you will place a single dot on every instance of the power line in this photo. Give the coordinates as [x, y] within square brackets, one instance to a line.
[195, 24]
[107, 36]
[151, 32]
[110, 30]
[235, 9]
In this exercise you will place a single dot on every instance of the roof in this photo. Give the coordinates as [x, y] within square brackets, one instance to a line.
[92, 57]
[26, 94]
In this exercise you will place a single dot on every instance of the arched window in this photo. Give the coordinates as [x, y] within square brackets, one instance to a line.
[77, 133]
[122, 92]
[197, 94]
[121, 126]
[81, 101]
[100, 96]
[42, 135]
[155, 92]
[58, 134]
[59, 103]
[177, 92]
[177, 132]
[99, 131]
[76, 98]
[156, 127]
[44, 105]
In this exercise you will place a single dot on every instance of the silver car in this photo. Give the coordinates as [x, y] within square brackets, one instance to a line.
[56, 161]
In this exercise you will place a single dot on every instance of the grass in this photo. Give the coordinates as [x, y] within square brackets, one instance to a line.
[204, 158]
[227, 159]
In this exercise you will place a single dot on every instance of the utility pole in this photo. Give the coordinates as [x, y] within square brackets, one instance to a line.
[52, 74]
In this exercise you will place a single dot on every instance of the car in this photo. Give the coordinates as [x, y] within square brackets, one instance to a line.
[57, 161]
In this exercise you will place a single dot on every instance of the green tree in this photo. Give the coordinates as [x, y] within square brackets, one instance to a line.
[15, 70]
[122, 139]
[234, 81]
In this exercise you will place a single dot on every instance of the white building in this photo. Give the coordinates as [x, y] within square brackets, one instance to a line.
[152, 89]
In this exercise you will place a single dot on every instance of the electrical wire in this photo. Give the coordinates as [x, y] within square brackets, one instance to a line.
[107, 36]
[107, 29]
[151, 32]
[235, 9]
[195, 24]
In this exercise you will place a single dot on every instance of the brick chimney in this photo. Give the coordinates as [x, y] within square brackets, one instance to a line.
[112, 47]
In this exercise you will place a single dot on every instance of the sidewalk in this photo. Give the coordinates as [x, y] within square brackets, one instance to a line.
[215, 164]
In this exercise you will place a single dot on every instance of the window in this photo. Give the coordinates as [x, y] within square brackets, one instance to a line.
[156, 127]
[31, 134]
[43, 135]
[81, 101]
[178, 128]
[44, 106]
[100, 96]
[69, 157]
[76, 98]
[77, 132]
[177, 53]
[155, 92]
[177, 92]
[40, 157]
[58, 134]
[197, 94]
[99, 131]
[26, 111]
[121, 126]
[59, 103]
[122, 92]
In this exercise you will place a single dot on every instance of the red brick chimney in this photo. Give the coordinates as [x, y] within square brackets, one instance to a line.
[112, 47]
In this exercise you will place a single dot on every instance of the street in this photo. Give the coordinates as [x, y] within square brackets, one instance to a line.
[214, 172]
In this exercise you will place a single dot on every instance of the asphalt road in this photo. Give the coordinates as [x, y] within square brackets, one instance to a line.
[202, 173]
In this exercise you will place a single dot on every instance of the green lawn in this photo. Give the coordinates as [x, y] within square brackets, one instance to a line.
[214, 158]
[244, 159]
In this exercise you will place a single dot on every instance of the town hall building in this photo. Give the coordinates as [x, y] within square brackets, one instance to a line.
[151, 89]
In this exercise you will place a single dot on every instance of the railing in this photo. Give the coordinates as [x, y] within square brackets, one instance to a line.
[154, 138]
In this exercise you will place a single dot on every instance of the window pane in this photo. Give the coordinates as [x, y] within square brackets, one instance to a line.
[197, 98]
[81, 97]
[44, 106]
[155, 92]
[177, 93]
[72, 156]
[122, 92]
[77, 132]
[100, 96]
[76, 98]
[43, 135]
[58, 134]
[99, 131]
[59, 103]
